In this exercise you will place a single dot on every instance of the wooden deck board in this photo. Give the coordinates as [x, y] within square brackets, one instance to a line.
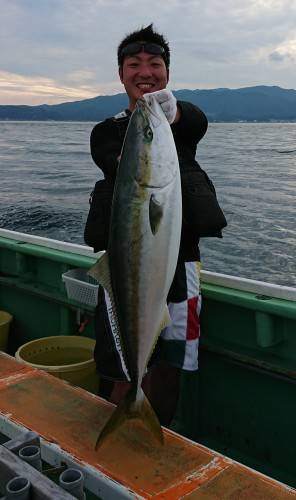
[9, 366]
[72, 418]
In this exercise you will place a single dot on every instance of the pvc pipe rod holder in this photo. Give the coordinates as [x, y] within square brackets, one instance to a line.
[18, 488]
[31, 455]
[72, 480]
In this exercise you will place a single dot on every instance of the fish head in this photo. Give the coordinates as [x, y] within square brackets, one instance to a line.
[157, 160]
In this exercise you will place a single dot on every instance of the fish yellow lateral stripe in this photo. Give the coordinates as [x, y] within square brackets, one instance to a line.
[138, 266]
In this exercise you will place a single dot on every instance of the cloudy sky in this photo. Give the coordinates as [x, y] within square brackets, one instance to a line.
[53, 51]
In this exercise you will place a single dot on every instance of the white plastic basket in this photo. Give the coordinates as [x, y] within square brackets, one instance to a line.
[81, 287]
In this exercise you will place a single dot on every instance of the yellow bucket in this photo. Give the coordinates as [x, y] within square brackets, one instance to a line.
[64, 356]
[5, 320]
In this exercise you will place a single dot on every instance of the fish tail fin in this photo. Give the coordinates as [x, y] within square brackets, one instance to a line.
[148, 416]
[132, 408]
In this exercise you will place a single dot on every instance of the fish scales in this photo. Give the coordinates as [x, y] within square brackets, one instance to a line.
[143, 248]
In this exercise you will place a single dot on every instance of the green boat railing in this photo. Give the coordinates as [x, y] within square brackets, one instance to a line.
[243, 401]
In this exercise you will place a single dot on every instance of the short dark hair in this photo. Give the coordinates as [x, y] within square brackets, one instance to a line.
[145, 35]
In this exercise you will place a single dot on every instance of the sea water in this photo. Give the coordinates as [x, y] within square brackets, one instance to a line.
[47, 175]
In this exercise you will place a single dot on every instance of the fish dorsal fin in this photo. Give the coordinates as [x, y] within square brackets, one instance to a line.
[155, 213]
[101, 272]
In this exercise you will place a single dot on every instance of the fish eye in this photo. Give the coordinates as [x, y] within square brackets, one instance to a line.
[148, 134]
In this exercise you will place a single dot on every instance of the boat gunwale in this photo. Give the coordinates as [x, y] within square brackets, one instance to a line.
[260, 288]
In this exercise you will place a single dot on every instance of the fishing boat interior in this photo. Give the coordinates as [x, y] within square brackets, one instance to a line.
[239, 435]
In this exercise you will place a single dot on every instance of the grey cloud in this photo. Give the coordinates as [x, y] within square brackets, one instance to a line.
[213, 43]
[277, 56]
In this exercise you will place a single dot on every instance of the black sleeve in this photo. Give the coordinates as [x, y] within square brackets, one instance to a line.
[202, 214]
[192, 124]
[105, 147]
[96, 231]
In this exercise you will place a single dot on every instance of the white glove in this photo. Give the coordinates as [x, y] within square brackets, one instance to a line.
[167, 102]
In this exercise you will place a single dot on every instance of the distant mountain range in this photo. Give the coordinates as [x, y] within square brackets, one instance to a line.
[260, 103]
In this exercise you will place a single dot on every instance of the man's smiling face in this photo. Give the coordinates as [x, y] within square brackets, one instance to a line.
[142, 73]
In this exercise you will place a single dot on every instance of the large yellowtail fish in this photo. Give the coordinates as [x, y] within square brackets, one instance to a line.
[139, 265]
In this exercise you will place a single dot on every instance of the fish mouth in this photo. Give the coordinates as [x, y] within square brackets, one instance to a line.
[144, 106]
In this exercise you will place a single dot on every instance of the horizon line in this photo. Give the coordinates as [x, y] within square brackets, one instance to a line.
[173, 90]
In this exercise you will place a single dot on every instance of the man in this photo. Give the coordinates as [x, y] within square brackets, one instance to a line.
[143, 60]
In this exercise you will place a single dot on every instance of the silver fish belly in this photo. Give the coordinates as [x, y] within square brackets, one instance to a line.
[139, 265]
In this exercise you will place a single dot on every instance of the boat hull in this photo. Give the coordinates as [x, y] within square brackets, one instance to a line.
[244, 401]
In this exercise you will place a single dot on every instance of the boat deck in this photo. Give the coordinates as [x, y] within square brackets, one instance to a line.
[130, 464]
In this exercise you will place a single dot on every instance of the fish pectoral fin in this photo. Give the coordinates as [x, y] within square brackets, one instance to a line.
[128, 409]
[101, 272]
[166, 319]
[155, 213]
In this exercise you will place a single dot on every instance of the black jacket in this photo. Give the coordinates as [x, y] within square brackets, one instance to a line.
[202, 215]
